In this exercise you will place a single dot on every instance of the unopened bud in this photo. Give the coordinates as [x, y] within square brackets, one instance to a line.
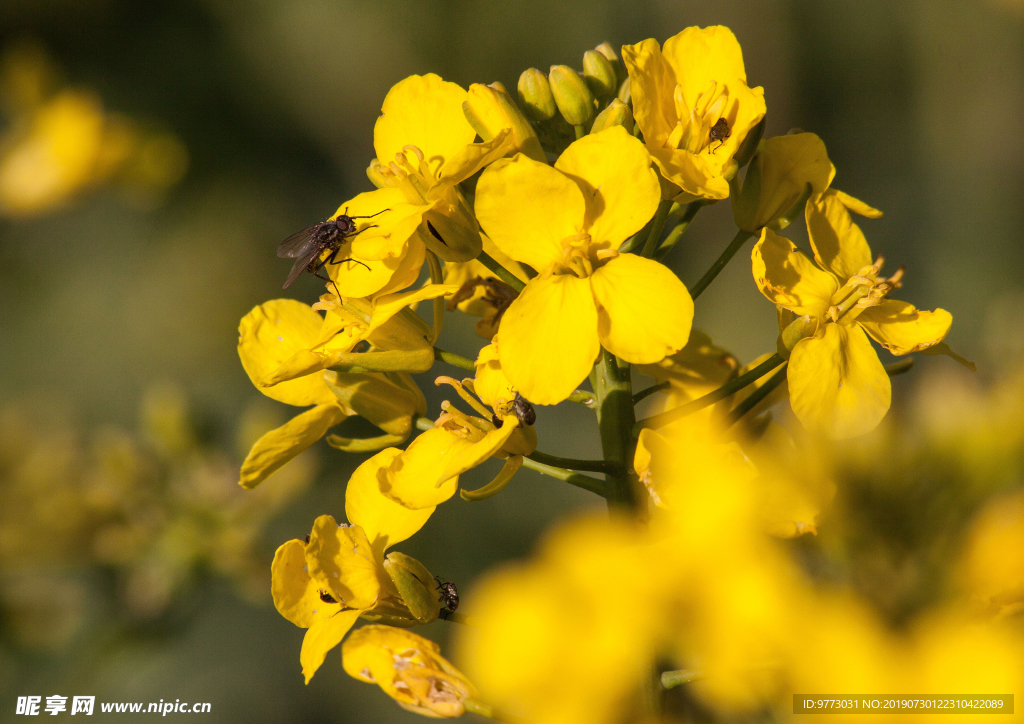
[608, 51]
[489, 110]
[535, 95]
[376, 399]
[599, 74]
[572, 96]
[415, 585]
[625, 94]
[784, 173]
[616, 114]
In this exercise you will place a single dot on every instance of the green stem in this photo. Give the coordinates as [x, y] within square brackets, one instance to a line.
[654, 235]
[730, 251]
[456, 360]
[593, 466]
[679, 229]
[644, 394]
[578, 479]
[614, 420]
[656, 421]
[504, 274]
[756, 396]
[672, 679]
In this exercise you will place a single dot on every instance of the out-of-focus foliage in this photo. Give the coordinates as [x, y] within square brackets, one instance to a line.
[58, 142]
[136, 518]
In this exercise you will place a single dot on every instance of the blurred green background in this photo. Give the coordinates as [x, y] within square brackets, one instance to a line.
[921, 105]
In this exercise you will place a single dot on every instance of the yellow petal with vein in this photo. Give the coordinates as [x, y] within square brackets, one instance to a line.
[549, 339]
[621, 190]
[279, 446]
[270, 334]
[644, 311]
[341, 560]
[652, 83]
[413, 478]
[424, 111]
[837, 386]
[901, 328]
[790, 279]
[838, 243]
[384, 521]
[528, 208]
[321, 638]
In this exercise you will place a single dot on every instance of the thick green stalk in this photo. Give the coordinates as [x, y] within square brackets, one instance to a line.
[654, 236]
[504, 274]
[679, 229]
[730, 251]
[436, 277]
[455, 360]
[615, 421]
[656, 421]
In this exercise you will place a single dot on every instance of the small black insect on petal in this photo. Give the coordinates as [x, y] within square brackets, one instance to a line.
[326, 597]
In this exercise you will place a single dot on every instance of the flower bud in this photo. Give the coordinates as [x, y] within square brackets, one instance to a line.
[784, 173]
[409, 669]
[599, 74]
[376, 399]
[572, 96]
[535, 95]
[616, 114]
[489, 110]
[415, 585]
[795, 330]
[608, 52]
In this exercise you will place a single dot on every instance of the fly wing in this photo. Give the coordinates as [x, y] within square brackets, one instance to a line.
[308, 254]
[296, 244]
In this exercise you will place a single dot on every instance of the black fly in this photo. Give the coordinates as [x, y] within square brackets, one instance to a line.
[308, 245]
[449, 595]
[522, 409]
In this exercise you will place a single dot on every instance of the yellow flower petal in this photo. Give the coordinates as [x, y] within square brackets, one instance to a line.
[321, 638]
[527, 208]
[790, 279]
[701, 55]
[837, 386]
[390, 222]
[296, 595]
[408, 270]
[341, 560]
[270, 334]
[652, 82]
[388, 306]
[279, 446]
[426, 112]
[465, 458]
[449, 227]
[549, 339]
[857, 206]
[697, 369]
[377, 399]
[838, 243]
[644, 311]
[490, 383]
[902, 329]
[412, 479]
[475, 156]
[621, 190]
[384, 521]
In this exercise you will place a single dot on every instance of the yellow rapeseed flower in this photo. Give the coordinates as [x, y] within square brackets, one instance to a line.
[409, 669]
[681, 95]
[424, 147]
[285, 334]
[340, 573]
[837, 384]
[568, 222]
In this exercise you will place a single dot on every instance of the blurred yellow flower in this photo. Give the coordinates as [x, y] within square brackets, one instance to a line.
[568, 222]
[837, 384]
[693, 105]
[340, 572]
[409, 669]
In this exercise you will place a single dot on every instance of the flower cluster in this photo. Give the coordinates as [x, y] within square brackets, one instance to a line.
[549, 219]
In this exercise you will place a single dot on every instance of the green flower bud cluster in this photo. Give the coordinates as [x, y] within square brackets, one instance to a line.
[565, 104]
